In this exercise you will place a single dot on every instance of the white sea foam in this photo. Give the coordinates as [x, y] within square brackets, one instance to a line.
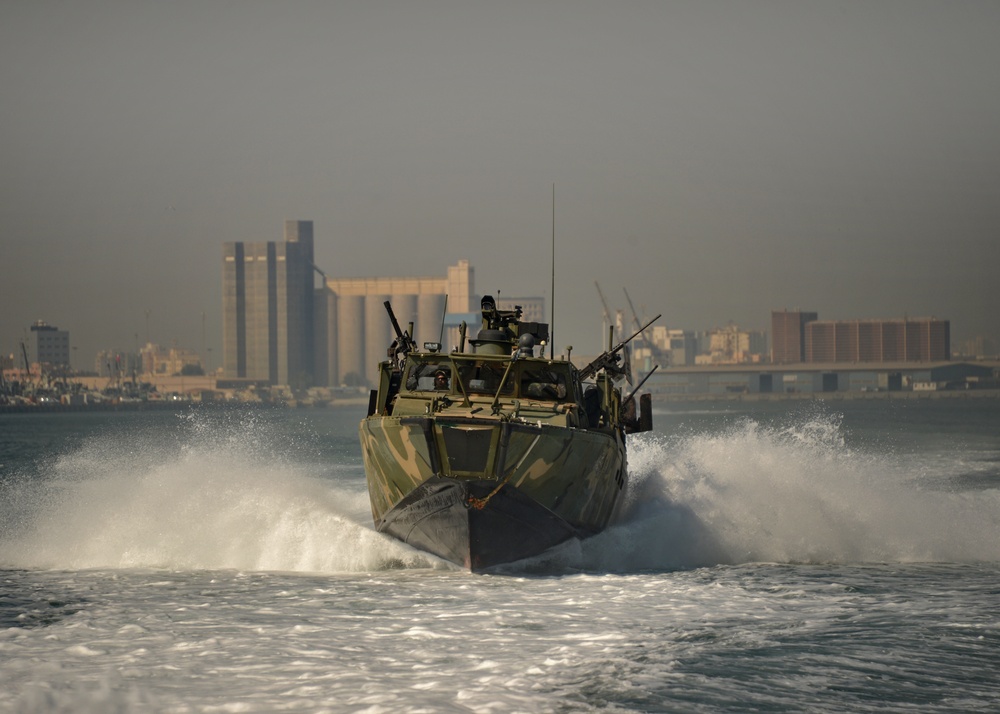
[219, 500]
[902, 637]
[226, 496]
[787, 493]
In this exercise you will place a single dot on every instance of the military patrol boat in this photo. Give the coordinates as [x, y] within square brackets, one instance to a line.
[495, 455]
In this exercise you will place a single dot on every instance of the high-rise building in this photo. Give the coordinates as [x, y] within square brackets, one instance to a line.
[788, 333]
[267, 308]
[278, 329]
[51, 345]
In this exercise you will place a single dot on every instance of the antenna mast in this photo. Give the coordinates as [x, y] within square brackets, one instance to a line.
[552, 320]
[444, 315]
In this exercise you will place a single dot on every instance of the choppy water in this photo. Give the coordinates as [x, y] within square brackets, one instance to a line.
[772, 558]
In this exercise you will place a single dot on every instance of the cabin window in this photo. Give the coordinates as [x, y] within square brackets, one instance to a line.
[483, 377]
[429, 377]
[543, 383]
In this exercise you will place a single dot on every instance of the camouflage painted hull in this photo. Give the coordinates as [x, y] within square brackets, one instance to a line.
[483, 492]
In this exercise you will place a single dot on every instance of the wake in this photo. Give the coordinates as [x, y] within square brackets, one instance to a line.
[220, 498]
[229, 495]
[791, 493]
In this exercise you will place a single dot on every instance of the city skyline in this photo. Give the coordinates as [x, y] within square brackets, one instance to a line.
[720, 160]
[270, 295]
[339, 350]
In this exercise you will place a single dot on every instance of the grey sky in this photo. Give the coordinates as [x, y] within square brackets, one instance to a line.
[721, 159]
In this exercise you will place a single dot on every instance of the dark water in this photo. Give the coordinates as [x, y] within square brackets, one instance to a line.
[774, 557]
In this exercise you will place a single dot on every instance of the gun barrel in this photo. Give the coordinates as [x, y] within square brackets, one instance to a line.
[631, 396]
[605, 358]
[392, 319]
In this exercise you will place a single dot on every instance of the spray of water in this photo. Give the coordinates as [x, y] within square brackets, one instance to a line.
[219, 498]
[791, 493]
[222, 496]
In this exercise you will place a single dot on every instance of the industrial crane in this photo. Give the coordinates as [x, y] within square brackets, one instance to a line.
[656, 353]
[607, 315]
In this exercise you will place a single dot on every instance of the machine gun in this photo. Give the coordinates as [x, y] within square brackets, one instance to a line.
[403, 343]
[609, 359]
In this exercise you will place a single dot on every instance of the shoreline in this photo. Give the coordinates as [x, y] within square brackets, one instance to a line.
[56, 408]
[830, 396]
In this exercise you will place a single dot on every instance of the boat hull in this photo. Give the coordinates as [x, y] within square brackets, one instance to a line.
[439, 517]
[481, 493]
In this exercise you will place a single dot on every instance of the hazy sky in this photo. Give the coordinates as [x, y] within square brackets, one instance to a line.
[720, 159]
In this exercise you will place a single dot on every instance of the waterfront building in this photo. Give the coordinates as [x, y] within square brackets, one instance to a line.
[51, 345]
[161, 362]
[278, 329]
[354, 328]
[902, 340]
[731, 345]
[679, 346]
[835, 379]
[980, 347]
[801, 337]
[268, 308]
[788, 335]
[117, 363]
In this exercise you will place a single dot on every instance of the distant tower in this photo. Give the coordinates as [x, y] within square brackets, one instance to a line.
[51, 345]
[267, 308]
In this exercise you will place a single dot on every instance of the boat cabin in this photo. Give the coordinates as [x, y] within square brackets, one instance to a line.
[500, 378]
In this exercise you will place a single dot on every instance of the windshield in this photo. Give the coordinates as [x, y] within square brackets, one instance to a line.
[484, 377]
[428, 376]
[543, 382]
[528, 380]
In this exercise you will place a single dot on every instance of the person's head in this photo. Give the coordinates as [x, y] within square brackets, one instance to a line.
[440, 378]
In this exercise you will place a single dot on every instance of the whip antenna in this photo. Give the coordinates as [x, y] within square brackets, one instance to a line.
[444, 315]
[552, 319]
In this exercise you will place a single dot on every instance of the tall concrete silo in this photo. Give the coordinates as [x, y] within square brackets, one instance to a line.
[378, 335]
[430, 309]
[350, 336]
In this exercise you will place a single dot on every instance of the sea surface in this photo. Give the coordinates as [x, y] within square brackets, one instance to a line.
[780, 557]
